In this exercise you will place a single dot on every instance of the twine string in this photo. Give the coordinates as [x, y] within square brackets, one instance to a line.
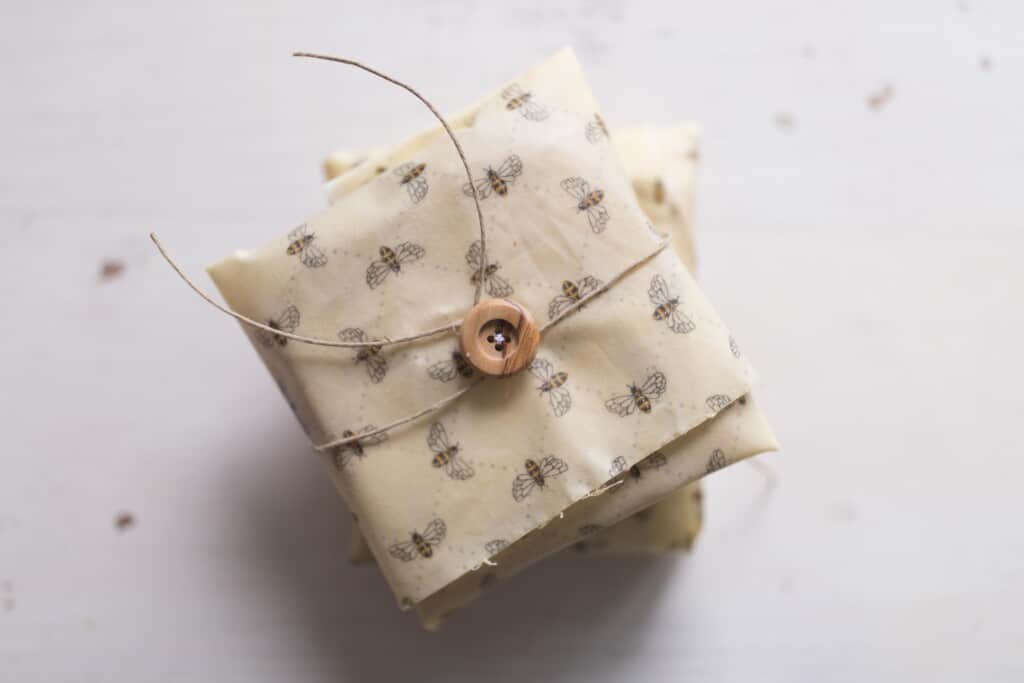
[482, 269]
[387, 341]
[605, 287]
[434, 407]
[448, 327]
[315, 341]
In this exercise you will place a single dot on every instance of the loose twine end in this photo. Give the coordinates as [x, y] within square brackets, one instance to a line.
[482, 267]
[481, 270]
[315, 341]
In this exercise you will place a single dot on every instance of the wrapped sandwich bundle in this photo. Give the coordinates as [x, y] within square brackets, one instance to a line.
[661, 165]
[591, 381]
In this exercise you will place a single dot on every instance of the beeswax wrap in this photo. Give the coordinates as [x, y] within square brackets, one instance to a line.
[661, 164]
[671, 524]
[738, 432]
[647, 362]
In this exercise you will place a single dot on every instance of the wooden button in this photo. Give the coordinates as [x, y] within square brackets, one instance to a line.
[499, 337]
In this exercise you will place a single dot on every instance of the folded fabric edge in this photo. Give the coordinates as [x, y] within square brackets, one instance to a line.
[439, 605]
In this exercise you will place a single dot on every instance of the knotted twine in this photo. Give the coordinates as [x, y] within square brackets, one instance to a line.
[451, 327]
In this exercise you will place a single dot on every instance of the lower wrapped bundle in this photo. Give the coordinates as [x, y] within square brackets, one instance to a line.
[633, 396]
[741, 427]
[669, 525]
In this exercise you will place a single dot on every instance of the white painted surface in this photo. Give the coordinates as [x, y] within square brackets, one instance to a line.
[868, 261]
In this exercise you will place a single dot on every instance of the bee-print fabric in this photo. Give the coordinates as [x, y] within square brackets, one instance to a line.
[541, 237]
[660, 163]
[625, 514]
[288, 321]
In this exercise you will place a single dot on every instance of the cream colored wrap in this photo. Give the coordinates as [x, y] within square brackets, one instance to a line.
[650, 366]
[661, 164]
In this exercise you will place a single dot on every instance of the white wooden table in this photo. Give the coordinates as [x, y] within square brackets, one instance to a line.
[867, 258]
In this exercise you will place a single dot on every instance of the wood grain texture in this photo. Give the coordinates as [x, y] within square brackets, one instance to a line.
[505, 355]
[865, 256]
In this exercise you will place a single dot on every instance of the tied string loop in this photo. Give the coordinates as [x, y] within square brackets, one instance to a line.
[448, 327]
[337, 443]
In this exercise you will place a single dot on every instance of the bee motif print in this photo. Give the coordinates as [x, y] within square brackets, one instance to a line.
[301, 244]
[496, 285]
[640, 396]
[517, 99]
[666, 307]
[446, 456]
[497, 182]
[376, 365]
[596, 130]
[536, 476]
[420, 545]
[588, 201]
[391, 261]
[572, 293]
[286, 322]
[553, 384]
[343, 455]
[718, 402]
[447, 370]
[654, 461]
[716, 461]
[411, 177]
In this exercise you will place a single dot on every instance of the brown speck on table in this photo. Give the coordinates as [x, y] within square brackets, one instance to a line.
[785, 121]
[881, 98]
[985, 64]
[110, 269]
[124, 521]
